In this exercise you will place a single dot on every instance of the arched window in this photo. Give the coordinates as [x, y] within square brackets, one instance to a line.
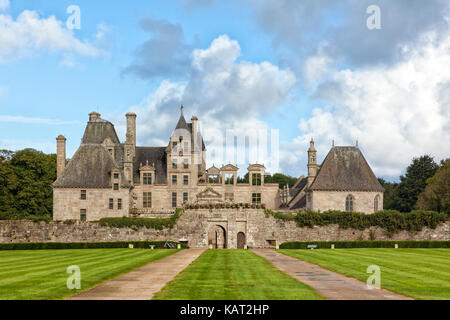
[375, 203]
[349, 203]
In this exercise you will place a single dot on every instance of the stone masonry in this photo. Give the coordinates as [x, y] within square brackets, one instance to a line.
[199, 229]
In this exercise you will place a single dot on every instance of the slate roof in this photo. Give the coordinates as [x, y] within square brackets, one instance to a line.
[301, 203]
[345, 169]
[90, 167]
[156, 155]
[97, 131]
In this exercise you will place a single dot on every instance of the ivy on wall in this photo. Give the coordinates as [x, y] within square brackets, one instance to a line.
[390, 220]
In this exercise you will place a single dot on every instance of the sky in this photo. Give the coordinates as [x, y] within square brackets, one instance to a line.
[283, 69]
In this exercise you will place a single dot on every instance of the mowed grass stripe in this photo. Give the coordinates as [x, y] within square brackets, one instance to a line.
[234, 275]
[404, 271]
[409, 262]
[55, 264]
[49, 280]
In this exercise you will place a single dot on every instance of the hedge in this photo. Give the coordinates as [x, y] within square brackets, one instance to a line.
[86, 245]
[366, 244]
[136, 223]
[390, 220]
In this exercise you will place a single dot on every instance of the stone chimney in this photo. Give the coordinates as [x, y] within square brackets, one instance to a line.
[131, 128]
[60, 154]
[130, 147]
[94, 116]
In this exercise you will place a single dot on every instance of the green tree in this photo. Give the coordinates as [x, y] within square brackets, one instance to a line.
[436, 196]
[8, 185]
[390, 194]
[281, 179]
[414, 182]
[34, 172]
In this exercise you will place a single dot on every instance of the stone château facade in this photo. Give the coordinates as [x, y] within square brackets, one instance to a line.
[108, 178]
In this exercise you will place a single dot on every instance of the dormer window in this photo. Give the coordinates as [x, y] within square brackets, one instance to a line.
[256, 179]
[147, 173]
[147, 178]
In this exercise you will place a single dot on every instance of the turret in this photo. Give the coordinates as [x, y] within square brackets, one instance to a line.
[312, 162]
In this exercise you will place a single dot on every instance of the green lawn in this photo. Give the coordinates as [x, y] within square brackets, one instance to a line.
[418, 273]
[234, 275]
[41, 274]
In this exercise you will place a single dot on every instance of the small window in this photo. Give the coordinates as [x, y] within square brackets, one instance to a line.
[110, 151]
[119, 204]
[185, 180]
[111, 203]
[174, 199]
[186, 164]
[83, 214]
[375, 203]
[185, 197]
[174, 163]
[256, 179]
[83, 195]
[186, 147]
[174, 145]
[147, 177]
[147, 200]
[349, 203]
[116, 186]
[174, 179]
[256, 198]
[116, 176]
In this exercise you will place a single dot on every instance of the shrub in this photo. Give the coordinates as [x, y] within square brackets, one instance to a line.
[136, 223]
[85, 245]
[366, 244]
[390, 220]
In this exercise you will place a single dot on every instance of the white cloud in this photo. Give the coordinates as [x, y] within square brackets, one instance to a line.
[30, 32]
[396, 113]
[4, 5]
[224, 93]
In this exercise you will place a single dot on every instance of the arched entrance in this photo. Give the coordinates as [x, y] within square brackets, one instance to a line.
[217, 237]
[241, 240]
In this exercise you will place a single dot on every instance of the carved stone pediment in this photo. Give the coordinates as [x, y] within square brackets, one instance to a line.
[209, 195]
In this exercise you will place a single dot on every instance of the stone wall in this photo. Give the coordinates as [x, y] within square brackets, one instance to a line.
[197, 226]
[335, 200]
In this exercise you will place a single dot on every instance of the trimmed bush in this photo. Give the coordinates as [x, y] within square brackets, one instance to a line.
[136, 223]
[390, 220]
[86, 245]
[366, 244]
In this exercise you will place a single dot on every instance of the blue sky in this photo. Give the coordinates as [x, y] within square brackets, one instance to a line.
[307, 69]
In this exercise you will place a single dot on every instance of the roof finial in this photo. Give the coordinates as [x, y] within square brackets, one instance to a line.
[357, 142]
[333, 142]
[181, 110]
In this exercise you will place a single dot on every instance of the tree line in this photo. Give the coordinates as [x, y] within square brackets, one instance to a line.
[425, 186]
